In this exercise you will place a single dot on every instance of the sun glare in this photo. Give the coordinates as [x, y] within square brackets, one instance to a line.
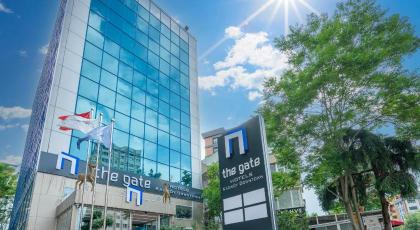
[275, 5]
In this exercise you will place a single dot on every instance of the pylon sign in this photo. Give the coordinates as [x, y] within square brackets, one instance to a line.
[245, 179]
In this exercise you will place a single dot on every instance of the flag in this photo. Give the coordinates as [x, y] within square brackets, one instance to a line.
[101, 134]
[81, 122]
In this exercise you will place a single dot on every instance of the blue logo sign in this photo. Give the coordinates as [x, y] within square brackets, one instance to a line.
[74, 169]
[242, 139]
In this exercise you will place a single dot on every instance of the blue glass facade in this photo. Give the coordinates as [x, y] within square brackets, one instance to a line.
[135, 69]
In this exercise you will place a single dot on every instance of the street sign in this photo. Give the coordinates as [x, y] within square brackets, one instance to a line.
[245, 179]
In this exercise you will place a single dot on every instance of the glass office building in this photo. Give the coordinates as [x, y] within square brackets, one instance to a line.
[127, 60]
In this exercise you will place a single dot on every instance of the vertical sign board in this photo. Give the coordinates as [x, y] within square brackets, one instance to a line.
[245, 180]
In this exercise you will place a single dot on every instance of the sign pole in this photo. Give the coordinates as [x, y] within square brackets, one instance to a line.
[94, 180]
[108, 176]
[268, 171]
[86, 171]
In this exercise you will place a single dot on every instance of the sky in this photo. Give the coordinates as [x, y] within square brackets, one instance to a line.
[235, 55]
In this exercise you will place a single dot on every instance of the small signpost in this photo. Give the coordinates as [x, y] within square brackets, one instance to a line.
[245, 179]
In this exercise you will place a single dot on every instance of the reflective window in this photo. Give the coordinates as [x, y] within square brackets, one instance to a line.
[163, 170]
[137, 128]
[151, 117]
[107, 113]
[126, 57]
[152, 102]
[152, 87]
[139, 80]
[163, 155]
[175, 143]
[185, 162]
[106, 97]
[124, 88]
[149, 167]
[175, 159]
[90, 71]
[175, 128]
[125, 72]
[163, 138]
[94, 37]
[137, 111]
[150, 133]
[136, 146]
[139, 96]
[122, 122]
[164, 108]
[112, 48]
[163, 123]
[110, 63]
[108, 80]
[84, 105]
[119, 139]
[185, 147]
[175, 175]
[150, 150]
[123, 105]
[93, 54]
[88, 89]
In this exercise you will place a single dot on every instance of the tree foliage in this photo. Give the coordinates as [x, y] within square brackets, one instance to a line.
[345, 73]
[290, 220]
[211, 192]
[97, 221]
[8, 182]
[412, 222]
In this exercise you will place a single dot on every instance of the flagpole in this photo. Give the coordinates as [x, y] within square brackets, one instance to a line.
[94, 180]
[86, 171]
[109, 175]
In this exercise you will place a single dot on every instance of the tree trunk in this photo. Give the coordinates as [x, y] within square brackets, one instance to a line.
[343, 186]
[356, 202]
[385, 212]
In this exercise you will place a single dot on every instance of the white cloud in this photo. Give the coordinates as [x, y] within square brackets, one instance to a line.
[247, 64]
[12, 159]
[23, 53]
[24, 127]
[44, 49]
[253, 95]
[7, 113]
[233, 32]
[4, 9]
[8, 126]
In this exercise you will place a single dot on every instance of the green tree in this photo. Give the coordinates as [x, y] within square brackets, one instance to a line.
[393, 163]
[97, 221]
[345, 71]
[412, 222]
[291, 220]
[8, 182]
[211, 195]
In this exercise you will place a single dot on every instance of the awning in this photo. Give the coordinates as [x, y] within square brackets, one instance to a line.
[396, 223]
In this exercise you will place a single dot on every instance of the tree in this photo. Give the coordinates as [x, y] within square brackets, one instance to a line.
[211, 194]
[97, 220]
[345, 72]
[8, 182]
[412, 222]
[291, 220]
[393, 163]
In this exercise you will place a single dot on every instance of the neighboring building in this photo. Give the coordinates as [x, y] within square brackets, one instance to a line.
[289, 200]
[342, 222]
[128, 60]
[404, 207]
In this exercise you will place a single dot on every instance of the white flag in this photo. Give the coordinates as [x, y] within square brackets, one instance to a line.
[100, 134]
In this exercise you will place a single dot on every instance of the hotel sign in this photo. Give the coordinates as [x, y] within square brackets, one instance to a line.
[66, 165]
[245, 180]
